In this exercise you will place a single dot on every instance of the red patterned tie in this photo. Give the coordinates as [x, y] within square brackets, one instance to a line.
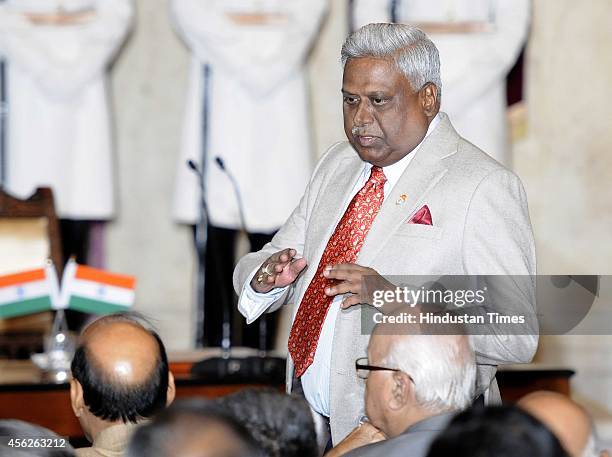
[343, 247]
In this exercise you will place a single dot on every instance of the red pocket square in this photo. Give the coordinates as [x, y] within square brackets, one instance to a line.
[422, 216]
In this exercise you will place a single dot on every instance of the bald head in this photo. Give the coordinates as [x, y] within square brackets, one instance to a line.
[122, 369]
[565, 418]
[123, 352]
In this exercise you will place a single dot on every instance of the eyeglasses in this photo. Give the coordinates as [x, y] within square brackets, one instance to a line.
[363, 369]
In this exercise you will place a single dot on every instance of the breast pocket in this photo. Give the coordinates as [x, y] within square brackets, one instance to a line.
[419, 231]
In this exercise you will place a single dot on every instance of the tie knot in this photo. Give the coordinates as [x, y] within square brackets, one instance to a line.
[377, 176]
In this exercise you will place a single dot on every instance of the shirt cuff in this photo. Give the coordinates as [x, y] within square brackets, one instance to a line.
[253, 304]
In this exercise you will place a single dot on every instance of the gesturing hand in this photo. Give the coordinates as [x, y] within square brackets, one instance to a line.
[349, 280]
[279, 270]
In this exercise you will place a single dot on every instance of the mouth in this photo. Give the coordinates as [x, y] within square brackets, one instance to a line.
[366, 140]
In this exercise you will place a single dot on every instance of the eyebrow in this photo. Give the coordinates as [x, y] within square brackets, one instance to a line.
[369, 94]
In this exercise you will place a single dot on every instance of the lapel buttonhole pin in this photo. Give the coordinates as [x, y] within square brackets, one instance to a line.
[401, 200]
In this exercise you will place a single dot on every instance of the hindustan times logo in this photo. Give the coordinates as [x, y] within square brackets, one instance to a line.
[412, 297]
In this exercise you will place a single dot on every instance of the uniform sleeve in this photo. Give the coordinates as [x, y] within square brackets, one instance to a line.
[498, 240]
[260, 56]
[63, 59]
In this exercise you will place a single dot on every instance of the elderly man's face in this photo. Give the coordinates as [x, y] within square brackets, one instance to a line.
[384, 117]
[378, 383]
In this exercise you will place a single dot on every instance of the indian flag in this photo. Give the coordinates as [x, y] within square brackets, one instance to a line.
[91, 290]
[26, 292]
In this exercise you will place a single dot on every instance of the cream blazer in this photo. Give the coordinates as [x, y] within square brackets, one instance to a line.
[480, 226]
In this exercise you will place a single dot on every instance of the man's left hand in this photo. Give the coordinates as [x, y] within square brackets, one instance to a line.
[349, 280]
[363, 435]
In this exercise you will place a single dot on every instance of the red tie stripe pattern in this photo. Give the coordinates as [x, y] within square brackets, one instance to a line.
[343, 247]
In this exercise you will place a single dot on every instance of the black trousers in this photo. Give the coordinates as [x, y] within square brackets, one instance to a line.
[75, 243]
[219, 291]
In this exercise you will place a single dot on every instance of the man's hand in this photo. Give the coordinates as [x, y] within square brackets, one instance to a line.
[279, 270]
[349, 277]
[363, 435]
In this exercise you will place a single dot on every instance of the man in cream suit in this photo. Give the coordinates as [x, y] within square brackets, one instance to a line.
[412, 198]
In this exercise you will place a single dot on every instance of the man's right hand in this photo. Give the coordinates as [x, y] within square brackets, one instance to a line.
[279, 270]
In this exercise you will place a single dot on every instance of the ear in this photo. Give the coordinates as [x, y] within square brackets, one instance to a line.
[171, 389]
[76, 397]
[402, 393]
[429, 99]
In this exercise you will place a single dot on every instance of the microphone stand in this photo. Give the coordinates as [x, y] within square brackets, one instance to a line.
[263, 324]
[260, 368]
[264, 364]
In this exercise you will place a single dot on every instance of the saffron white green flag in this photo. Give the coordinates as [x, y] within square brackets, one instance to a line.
[28, 292]
[91, 290]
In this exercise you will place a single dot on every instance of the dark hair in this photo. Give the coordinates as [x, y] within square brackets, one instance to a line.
[496, 431]
[162, 436]
[282, 424]
[20, 429]
[109, 400]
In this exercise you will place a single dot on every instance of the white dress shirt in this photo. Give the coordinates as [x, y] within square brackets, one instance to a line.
[315, 380]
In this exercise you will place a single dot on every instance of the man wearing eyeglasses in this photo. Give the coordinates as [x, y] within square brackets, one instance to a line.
[414, 385]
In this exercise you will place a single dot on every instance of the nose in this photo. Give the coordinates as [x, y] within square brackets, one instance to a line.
[362, 116]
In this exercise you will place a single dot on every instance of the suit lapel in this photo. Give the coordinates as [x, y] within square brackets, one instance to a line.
[332, 203]
[420, 177]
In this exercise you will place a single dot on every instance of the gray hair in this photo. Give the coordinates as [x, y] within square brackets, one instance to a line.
[443, 368]
[413, 52]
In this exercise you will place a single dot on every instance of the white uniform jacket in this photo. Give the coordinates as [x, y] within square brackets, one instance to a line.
[59, 125]
[256, 97]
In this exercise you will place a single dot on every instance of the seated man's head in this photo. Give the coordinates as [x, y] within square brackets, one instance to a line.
[120, 373]
[422, 376]
[193, 428]
[566, 419]
[282, 424]
[496, 431]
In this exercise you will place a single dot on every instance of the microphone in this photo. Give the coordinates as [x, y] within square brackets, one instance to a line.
[193, 166]
[201, 226]
[221, 164]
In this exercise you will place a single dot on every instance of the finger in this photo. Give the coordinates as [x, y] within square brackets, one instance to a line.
[339, 274]
[343, 287]
[351, 300]
[297, 266]
[286, 255]
[279, 260]
[280, 267]
[343, 270]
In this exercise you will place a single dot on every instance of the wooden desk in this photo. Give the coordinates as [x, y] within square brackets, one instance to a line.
[25, 395]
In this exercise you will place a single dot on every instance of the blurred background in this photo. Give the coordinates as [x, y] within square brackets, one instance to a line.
[559, 135]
